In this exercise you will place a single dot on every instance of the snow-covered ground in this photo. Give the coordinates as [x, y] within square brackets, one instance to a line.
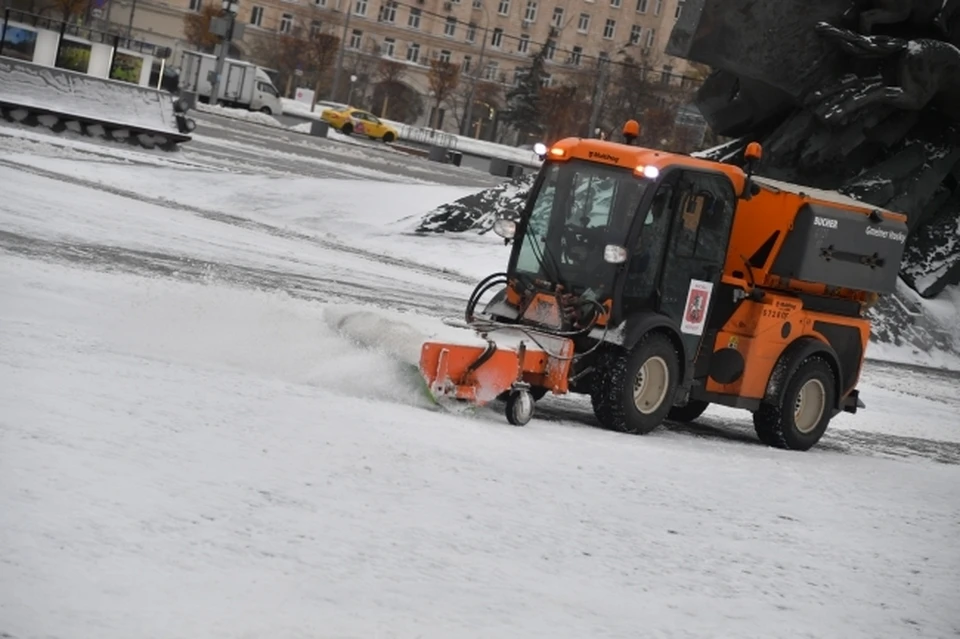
[212, 426]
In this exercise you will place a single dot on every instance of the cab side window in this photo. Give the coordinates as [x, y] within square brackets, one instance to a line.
[704, 212]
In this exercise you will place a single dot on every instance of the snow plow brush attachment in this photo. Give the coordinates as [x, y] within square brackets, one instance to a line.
[477, 374]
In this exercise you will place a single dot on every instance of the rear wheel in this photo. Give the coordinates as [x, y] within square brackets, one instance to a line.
[804, 410]
[388, 137]
[688, 412]
[346, 129]
[635, 390]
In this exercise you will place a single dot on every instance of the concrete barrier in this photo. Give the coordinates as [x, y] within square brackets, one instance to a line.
[31, 91]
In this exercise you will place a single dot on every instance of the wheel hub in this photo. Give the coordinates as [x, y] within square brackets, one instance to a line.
[809, 406]
[650, 385]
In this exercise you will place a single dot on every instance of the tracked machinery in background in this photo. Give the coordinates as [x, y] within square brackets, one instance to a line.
[659, 283]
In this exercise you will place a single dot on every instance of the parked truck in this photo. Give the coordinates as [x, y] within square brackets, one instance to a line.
[244, 85]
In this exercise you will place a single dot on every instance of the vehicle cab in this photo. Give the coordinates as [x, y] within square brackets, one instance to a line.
[266, 97]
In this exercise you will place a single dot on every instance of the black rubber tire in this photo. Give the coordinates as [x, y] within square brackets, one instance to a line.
[775, 423]
[511, 408]
[346, 129]
[266, 110]
[686, 414]
[613, 402]
[387, 137]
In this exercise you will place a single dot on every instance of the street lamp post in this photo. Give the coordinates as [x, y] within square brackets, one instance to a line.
[353, 79]
[343, 44]
[465, 128]
[230, 7]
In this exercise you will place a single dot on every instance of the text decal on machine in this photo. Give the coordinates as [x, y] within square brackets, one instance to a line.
[695, 310]
[824, 221]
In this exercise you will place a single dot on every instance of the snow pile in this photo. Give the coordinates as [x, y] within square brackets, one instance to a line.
[240, 114]
[477, 212]
[81, 95]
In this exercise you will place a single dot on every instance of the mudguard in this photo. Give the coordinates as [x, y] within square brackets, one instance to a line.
[790, 360]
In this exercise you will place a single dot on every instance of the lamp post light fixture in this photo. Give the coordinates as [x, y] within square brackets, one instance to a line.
[230, 8]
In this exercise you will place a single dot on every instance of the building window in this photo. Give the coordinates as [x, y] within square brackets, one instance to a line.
[676, 14]
[609, 29]
[320, 3]
[195, 5]
[388, 12]
[635, 32]
[315, 28]
[557, 20]
[583, 25]
[490, 73]
[360, 8]
[286, 23]
[657, 7]
[546, 80]
[465, 65]
[497, 38]
[478, 4]
[615, 4]
[523, 45]
[550, 51]
[413, 52]
[414, 20]
[444, 57]
[356, 39]
[576, 57]
[651, 36]
[530, 13]
[471, 32]
[256, 16]
[642, 6]
[389, 47]
[667, 74]
[450, 27]
[504, 7]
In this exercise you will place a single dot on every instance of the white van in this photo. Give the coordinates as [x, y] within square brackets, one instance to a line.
[244, 85]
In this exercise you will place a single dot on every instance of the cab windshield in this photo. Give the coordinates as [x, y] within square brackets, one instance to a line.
[581, 208]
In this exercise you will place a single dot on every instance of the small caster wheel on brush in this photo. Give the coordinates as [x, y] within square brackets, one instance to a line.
[520, 407]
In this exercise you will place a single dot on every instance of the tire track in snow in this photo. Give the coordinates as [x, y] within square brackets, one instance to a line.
[836, 440]
[245, 223]
[392, 294]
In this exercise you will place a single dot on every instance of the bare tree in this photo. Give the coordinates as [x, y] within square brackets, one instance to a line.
[196, 28]
[443, 79]
[66, 9]
[320, 51]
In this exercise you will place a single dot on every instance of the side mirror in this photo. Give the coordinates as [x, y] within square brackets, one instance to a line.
[506, 229]
[614, 254]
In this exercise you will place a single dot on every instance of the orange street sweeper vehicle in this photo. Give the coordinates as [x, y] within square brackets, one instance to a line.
[659, 283]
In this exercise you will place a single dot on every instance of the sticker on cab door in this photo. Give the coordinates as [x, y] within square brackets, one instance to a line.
[695, 310]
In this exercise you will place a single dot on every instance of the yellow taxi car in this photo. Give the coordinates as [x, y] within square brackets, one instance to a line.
[349, 120]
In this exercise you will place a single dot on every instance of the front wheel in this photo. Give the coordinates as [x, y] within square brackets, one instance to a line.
[346, 129]
[388, 137]
[266, 110]
[636, 389]
[804, 410]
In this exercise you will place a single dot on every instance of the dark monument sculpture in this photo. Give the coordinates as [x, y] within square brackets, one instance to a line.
[860, 97]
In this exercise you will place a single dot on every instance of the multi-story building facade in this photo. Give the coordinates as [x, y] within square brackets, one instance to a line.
[488, 39]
